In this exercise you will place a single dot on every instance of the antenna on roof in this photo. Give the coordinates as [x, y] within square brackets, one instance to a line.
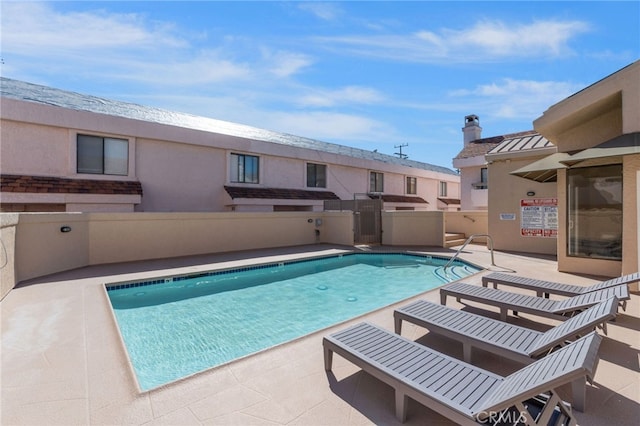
[400, 154]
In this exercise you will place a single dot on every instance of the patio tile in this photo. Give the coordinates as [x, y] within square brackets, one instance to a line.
[63, 361]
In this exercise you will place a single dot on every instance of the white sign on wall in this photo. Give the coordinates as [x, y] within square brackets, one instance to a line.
[539, 217]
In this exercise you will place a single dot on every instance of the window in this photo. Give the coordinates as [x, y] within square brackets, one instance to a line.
[483, 178]
[105, 156]
[594, 206]
[316, 175]
[376, 182]
[412, 185]
[442, 191]
[244, 168]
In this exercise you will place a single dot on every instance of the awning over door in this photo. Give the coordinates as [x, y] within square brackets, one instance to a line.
[622, 145]
[545, 169]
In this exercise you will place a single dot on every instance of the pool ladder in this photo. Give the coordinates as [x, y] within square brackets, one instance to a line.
[471, 238]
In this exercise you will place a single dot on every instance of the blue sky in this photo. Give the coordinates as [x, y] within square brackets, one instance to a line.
[373, 75]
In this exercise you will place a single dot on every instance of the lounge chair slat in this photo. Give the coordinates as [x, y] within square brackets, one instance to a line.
[476, 391]
[557, 309]
[551, 287]
[503, 338]
[459, 391]
[568, 364]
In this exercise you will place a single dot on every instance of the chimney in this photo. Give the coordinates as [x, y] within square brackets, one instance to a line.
[471, 129]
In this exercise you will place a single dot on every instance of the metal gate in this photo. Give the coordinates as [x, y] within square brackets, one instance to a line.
[367, 227]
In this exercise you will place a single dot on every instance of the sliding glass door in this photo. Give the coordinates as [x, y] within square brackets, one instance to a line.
[595, 212]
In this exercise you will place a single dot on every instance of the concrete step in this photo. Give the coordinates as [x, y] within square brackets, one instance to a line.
[453, 243]
[454, 239]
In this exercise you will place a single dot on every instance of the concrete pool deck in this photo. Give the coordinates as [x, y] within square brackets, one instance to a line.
[63, 362]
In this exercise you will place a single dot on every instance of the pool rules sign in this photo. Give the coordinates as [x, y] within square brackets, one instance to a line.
[539, 217]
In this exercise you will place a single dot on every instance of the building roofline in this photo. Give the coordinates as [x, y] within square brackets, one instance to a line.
[29, 92]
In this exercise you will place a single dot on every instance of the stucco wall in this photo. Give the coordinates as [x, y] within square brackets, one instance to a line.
[630, 214]
[33, 149]
[180, 177]
[181, 169]
[504, 198]
[35, 245]
[8, 224]
[468, 223]
[119, 238]
[413, 228]
[41, 248]
[472, 198]
[596, 130]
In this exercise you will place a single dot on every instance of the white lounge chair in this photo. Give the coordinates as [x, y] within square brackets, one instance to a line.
[544, 288]
[459, 391]
[508, 340]
[518, 302]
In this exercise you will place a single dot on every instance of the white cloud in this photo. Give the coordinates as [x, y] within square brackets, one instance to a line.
[130, 47]
[485, 41]
[496, 38]
[322, 10]
[517, 99]
[37, 28]
[346, 95]
[285, 64]
[329, 126]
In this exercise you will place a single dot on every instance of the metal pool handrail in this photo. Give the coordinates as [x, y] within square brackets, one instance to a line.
[489, 239]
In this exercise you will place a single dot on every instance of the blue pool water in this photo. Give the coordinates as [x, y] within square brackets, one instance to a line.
[175, 327]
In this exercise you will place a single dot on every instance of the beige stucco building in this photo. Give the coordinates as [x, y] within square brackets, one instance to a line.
[64, 151]
[579, 196]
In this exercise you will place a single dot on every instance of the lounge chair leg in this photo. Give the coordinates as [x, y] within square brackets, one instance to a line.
[397, 325]
[549, 408]
[328, 359]
[503, 314]
[401, 406]
[443, 298]
[466, 352]
[579, 390]
[525, 417]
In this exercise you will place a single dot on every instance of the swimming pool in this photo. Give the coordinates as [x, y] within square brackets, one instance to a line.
[173, 327]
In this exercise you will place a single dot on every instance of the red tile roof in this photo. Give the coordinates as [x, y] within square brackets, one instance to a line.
[279, 193]
[51, 184]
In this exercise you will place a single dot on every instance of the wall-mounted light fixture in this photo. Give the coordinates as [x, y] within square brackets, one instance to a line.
[65, 228]
[530, 193]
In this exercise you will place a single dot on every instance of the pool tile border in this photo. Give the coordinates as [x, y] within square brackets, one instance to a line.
[177, 278]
